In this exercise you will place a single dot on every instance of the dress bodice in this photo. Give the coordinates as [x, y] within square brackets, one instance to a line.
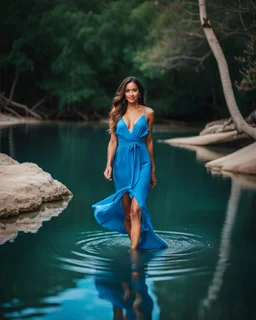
[139, 132]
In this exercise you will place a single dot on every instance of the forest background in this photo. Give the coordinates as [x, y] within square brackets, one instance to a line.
[65, 58]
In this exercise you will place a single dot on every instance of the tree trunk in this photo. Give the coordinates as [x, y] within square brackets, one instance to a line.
[236, 116]
[20, 106]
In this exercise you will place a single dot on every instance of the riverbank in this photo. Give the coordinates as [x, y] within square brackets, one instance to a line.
[241, 161]
[8, 120]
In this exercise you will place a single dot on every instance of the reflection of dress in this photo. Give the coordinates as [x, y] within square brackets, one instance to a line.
[132, 174]
[125, 288]
[112, 290]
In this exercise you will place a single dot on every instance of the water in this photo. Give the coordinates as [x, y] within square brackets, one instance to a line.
[59, 264]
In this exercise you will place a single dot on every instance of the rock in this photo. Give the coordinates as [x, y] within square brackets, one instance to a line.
[241, 161]
[25, 186]
[207, 139]
[224, 125]
[6, 160]
[217, 129]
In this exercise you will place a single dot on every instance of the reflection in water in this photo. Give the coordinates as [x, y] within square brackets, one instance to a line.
[224, 251]
[30, 222]
[34, 283]
[126, 288]
[203, 153]
[245, 181]
[120, 276]
[8, 131]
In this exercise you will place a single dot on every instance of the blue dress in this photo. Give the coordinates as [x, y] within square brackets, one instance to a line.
[132, 174]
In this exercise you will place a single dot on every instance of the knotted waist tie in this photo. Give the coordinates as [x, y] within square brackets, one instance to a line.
[134, 148]
[131, 144]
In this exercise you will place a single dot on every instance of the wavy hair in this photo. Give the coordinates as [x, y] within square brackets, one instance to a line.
[119, 105]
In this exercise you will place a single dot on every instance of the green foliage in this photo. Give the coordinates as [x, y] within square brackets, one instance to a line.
[77, 52]
[248, 72]
[177, 52]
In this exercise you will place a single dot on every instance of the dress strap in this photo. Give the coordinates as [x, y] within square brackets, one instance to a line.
[145, 110]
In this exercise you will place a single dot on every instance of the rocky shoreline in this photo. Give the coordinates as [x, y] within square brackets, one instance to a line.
[221, 133]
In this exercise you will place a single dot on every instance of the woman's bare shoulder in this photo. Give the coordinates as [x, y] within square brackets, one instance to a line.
[149, 110]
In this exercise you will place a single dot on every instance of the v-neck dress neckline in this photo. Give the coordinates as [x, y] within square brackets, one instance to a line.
[131, 131]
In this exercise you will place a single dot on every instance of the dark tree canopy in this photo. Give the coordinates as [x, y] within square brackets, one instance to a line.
[77, 52]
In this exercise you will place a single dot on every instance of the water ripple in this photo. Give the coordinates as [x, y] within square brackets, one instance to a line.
[107, 253]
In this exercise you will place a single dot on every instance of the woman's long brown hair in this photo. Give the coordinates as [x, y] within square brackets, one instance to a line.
[119, 105]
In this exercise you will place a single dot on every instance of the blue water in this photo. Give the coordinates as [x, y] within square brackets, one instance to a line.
[64, 266]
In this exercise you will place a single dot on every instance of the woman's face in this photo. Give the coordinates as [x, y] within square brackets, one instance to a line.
[132, 93]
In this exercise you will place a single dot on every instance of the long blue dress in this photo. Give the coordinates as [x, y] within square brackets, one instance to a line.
[132, 174]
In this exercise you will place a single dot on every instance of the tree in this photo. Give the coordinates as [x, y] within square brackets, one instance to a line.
[240, 123]
[177, 54]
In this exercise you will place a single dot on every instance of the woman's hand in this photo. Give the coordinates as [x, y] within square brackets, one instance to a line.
[153, 179]
[107, 173]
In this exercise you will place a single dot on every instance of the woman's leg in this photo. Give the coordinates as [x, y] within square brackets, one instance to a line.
[127, 220]
[118, 313]
[135, 214]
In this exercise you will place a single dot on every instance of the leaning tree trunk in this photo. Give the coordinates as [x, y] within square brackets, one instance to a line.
[214, 44]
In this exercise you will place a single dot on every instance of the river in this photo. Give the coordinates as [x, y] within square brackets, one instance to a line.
[68, 267]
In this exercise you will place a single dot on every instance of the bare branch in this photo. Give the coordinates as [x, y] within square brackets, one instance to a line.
[240, 15]
[186, 57]
[21, 106]
[254, 6]
[194, 34]
[12, 111]
[191, 13]
[175, 62]
[39, 103]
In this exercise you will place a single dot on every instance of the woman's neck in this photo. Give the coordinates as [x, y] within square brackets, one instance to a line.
[133, 105]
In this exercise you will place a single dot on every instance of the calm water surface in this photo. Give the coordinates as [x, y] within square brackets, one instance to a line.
[64, 266]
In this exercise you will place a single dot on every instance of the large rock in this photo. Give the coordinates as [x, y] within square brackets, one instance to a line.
[25, 187]
[202, 140]
[224, 125]
[241, 161]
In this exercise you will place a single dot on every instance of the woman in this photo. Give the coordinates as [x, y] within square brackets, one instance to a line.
[130, 152]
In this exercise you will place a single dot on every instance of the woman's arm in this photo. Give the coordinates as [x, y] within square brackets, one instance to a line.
[110, 155]
[149, 144]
